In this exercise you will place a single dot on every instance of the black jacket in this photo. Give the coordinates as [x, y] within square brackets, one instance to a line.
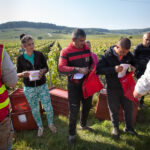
[142, 56]
[25, 65]
[107, 65]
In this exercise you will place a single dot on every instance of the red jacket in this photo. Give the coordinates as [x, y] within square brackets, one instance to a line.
[72, 57]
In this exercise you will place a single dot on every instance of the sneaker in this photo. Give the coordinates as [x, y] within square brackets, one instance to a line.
[71, 139]
[52, 128]
[130, 131]
[86, 128]
[115, 132]
[40, 131]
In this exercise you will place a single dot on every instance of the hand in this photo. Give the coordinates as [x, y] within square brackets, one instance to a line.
[136, 94]
[25, 74]
[133, 69]
[41, 73]
[118, 68]
[84, 70]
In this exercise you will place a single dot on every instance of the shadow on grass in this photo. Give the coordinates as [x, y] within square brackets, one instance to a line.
[28, 140]
[100, 139]
[96, 145]
[140, 142]
[143, 116]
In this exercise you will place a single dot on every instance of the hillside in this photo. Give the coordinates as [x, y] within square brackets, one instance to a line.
[12, 30]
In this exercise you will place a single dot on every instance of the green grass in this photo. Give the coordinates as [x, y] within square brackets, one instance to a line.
[100, 139]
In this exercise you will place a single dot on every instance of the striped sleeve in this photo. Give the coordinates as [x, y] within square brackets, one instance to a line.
[63, 64]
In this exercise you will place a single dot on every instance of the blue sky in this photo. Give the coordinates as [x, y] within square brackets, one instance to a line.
[108, 14]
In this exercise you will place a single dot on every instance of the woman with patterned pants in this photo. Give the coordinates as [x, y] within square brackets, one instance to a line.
[32, 60]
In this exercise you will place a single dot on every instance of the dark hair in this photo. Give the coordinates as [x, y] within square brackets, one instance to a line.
[87, 41]
[26, 38]
[22, 35]
[124, 43]
[77, 33]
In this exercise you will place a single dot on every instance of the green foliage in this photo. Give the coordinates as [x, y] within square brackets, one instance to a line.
[51, 50]
[53, 57]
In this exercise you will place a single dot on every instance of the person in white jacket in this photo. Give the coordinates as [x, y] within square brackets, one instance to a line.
[143, 84]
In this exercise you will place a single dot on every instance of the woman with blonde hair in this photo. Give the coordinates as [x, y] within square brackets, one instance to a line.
[32, 60]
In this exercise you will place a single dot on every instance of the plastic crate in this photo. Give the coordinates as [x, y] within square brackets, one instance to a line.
[23, 121]
[19, 102]
[59, 99]
[21, 113]
[102, 111]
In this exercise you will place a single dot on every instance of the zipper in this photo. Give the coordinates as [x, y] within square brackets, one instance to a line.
[32, 67]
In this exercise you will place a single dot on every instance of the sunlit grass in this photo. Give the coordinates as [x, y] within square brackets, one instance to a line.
[100, 139]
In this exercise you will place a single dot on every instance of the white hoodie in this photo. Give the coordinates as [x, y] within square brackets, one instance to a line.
[143, 84]
[9, 74]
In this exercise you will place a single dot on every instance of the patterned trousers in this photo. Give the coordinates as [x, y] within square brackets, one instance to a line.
[33, 94]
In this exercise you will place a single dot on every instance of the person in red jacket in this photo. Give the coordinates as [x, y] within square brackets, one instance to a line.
[75, 61]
